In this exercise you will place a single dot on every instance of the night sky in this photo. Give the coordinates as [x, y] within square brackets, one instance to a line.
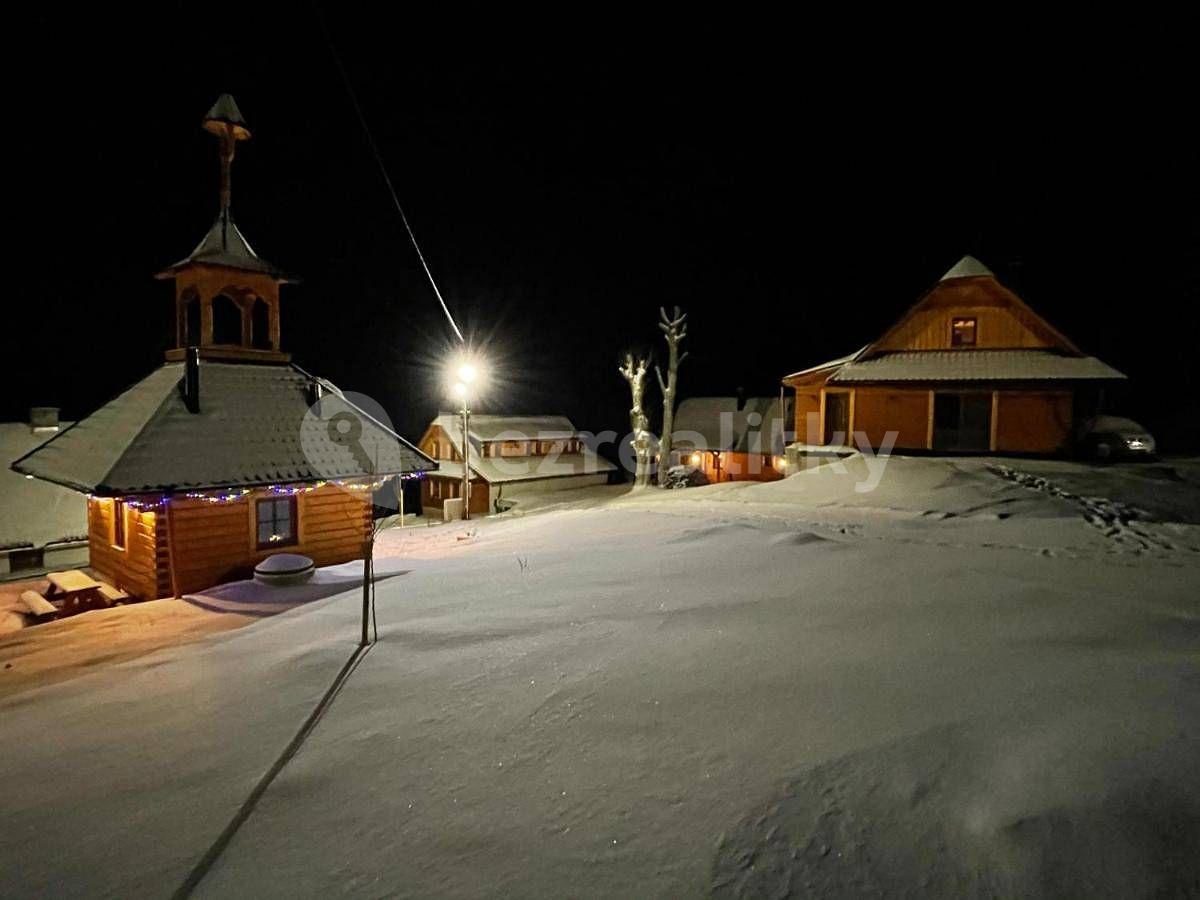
[794, 191]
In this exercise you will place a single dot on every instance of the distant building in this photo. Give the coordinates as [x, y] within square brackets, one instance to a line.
[42, 525]
[511, 456]
[969, 368]
[228, 453]
[732, 439]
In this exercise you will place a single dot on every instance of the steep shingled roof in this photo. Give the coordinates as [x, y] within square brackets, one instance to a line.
[224, 245]
[254, 427]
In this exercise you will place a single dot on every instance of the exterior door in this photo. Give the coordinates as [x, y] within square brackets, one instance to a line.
[837, 418]
[962, 422]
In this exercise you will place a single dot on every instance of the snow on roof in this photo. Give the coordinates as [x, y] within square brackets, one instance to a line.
[832, 364]
[225, 245]
[716, 423]
[34, 512]
[506, 469]
[485, 428]
[490, 428]
[254, 427]
[967, 267]
[975, 365]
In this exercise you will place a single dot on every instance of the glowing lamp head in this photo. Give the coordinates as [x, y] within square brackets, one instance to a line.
[466, 375]
[695, 459]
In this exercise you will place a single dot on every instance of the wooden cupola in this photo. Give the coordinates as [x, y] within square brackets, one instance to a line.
[226, 295]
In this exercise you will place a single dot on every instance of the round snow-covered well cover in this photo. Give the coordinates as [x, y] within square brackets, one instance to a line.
[284, 568]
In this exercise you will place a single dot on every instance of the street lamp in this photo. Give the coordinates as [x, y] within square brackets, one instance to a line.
[467, 374]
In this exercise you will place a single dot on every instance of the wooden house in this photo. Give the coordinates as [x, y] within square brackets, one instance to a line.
[228, 452]
[969, 368]
[511, 456]
[732, 438]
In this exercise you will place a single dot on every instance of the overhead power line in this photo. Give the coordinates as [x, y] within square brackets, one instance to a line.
[362, 119]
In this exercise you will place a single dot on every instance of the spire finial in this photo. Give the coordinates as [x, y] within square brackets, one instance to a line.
[225, 121]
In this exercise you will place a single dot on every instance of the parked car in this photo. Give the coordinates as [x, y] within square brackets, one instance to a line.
[683, 476]
[1114, 437]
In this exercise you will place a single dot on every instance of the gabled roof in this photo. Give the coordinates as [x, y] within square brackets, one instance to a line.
[975, 365]
[716, 423]
[224, 245]
[254, 427]
[489, 428]
[486, 428]
[966, 277]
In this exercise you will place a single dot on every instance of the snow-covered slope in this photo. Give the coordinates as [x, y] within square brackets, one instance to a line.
[663, 697]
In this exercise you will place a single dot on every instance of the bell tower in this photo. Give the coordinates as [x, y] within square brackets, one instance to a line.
[226, 296]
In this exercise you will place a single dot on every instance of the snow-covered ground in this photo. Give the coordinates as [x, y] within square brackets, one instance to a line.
[974, 680]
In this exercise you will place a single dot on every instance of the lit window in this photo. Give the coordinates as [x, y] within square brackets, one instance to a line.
[276, 521]
[962, 332]
[118, 526]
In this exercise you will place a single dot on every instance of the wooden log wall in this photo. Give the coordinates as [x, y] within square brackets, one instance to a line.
[140, 567]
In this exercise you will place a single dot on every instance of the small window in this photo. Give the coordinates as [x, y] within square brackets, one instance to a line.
[118, 525]
[962, 332]
[276, 521]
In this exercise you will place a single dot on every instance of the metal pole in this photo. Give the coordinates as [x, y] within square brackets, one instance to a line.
[466, 468]
[466, 490]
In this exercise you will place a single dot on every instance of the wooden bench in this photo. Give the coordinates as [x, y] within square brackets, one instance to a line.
[112, 595]
[38, 606]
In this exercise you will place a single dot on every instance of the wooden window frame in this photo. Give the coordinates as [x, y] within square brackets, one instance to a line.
[119, 537]
[954, 324]
[290, 540]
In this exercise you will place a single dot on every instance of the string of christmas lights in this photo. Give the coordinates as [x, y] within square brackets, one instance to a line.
[286, 490]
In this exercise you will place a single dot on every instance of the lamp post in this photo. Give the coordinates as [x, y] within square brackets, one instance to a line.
[466, 377]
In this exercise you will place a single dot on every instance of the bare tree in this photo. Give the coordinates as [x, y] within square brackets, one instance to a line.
[634, 371]
[674, 330]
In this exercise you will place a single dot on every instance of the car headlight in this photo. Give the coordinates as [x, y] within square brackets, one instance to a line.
[1139, 443]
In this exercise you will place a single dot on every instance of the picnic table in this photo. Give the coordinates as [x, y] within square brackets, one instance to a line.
[74, 591]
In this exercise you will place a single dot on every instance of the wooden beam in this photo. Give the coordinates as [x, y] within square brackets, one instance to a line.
[995, 411]
[929, 425]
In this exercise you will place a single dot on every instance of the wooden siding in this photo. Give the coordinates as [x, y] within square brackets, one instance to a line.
[879, 410]
[1032, 422]
[449, 488]
[997, 328]
[140, 568]
[213, 543]
[1004, 320]
[436, 444]
[808, 415]
[201, 284]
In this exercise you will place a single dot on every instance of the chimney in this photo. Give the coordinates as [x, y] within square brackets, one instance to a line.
[43, 419]
[315, 392]
[191, 380]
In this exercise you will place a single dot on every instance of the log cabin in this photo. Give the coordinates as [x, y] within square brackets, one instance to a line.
[511, 457]
[732, 438]
[969, 368]
[228, 452]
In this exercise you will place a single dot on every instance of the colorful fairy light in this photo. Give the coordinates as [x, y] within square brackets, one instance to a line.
[232, 495]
